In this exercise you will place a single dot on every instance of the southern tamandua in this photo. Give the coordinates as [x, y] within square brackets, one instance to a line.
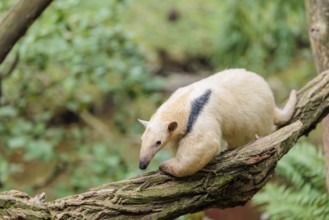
[235, 104]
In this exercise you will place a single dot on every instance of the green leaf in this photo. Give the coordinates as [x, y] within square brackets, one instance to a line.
[8, 111]
[16, 142]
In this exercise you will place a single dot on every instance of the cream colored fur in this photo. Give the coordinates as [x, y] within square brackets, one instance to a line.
[241, 106]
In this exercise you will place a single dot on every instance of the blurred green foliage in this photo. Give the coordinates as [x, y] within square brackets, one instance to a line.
[263, 36]
[73, 59]
[303, 194]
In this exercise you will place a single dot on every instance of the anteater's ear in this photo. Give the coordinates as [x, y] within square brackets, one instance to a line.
[172, 126]
[144, 123]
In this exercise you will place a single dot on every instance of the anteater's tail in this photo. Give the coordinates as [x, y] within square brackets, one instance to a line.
[281, 116]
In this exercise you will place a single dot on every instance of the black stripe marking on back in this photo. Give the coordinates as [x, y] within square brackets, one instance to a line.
[196, 108]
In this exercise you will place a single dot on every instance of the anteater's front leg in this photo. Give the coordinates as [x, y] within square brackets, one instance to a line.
[194, 152]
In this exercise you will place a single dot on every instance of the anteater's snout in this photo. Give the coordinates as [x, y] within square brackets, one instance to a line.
[143, 164]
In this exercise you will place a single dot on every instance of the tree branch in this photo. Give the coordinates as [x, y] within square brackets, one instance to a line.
[14, 25]
[231, 179]
[17, 21]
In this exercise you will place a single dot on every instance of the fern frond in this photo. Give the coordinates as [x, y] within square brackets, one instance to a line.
[304, 196]
[303, 166]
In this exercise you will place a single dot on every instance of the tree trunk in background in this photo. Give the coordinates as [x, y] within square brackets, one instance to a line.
[14, 25]
[318, 23]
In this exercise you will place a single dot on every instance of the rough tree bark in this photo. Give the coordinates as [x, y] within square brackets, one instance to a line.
[231, 179]
[318, 20]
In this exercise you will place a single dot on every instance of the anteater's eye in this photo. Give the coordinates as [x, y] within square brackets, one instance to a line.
[158, 143]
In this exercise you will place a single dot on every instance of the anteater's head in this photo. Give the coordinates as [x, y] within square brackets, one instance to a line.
[157, 134]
